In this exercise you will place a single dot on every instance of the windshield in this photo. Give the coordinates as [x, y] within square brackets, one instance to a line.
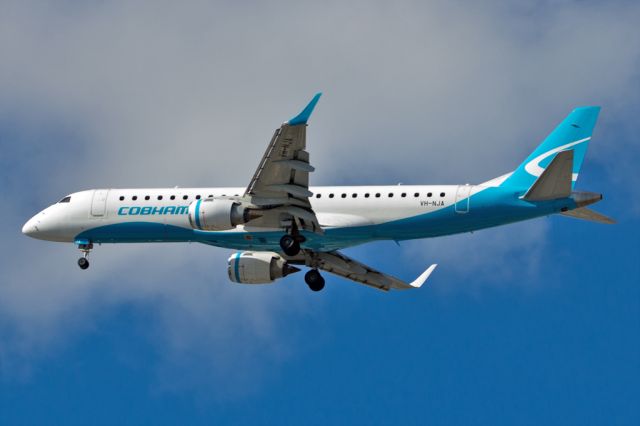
[65, 199]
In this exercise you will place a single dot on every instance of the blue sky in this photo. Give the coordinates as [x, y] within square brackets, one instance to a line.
[533, 323]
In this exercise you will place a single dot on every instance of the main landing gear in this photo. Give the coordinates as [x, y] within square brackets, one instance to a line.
[83, 262]
[314, 280]
[290, 243]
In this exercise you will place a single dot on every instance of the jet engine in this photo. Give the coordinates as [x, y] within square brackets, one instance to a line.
[214, 214]
[249, 267]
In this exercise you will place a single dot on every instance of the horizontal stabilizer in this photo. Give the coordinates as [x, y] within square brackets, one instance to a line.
[555, 181]
[588, 214]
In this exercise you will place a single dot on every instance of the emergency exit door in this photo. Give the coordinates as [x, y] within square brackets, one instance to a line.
[462, 198]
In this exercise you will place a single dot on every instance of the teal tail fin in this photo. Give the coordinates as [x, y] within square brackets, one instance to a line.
[573, 134]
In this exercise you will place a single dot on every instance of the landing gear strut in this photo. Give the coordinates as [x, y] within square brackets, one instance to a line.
[290, 243]
[314, 280]
[83, 262]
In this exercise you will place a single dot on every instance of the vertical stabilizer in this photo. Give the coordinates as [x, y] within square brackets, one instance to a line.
[574, 133]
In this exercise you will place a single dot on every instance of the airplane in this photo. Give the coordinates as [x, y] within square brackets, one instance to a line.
[279, 223]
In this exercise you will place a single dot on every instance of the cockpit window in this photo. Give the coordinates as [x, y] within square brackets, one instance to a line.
[65, 199]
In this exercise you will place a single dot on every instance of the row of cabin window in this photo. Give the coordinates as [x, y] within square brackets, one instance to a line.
[377, 195]
[344, 195]
[173, 197]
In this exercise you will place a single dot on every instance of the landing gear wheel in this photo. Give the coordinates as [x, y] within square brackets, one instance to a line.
[314, 280]
[83, 263]
[289, 245]
[85, 247]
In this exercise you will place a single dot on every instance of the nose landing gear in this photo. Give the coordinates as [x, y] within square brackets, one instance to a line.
[83, 263]
[85, 248]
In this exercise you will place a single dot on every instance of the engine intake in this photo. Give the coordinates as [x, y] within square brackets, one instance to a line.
[248, 267]
[214, 214]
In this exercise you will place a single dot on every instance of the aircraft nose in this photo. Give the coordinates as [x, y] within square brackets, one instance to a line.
[30, 228]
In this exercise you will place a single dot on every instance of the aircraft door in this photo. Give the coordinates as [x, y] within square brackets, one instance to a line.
[463, 198]
[99, 202]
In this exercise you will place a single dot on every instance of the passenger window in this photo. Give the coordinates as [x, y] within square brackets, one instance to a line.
[354, 195]
[121, 198]
[377, 195]
[197, 197]
[135, 197]
[317, 195]
[417, 194]
[429, 194]
[210, 195]
[159, 197]
[366, 195]
[146, 197]
[344, 195]
[404, 194]
[391, 195]
[442, 194]
[185, 197]
[65, 200]
[173, 197]
[330, 195]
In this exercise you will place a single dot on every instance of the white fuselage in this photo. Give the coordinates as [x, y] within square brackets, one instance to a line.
[349, 215]
[335, 206]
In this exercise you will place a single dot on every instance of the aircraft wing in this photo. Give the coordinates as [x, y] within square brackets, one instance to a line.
[281, 182]
[339, 264]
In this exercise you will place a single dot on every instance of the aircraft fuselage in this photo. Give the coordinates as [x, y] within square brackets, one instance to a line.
[350, 215]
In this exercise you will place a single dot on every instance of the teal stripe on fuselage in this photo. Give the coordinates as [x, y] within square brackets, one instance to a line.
[198, 214]
[488, 208]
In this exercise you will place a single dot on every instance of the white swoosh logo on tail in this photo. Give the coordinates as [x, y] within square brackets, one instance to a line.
[533, 166]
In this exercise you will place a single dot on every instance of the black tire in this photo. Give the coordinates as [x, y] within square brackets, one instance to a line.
[314, 280]
[289, 245]
[83, 263]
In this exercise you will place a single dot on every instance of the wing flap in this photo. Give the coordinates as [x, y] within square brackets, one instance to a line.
[290, 188]
[282, 177]
[296, 165]
[341, 265]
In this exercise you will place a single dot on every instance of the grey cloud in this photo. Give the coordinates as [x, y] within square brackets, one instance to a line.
[423, 84]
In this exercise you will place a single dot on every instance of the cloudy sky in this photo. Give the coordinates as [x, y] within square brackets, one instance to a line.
[531, 323]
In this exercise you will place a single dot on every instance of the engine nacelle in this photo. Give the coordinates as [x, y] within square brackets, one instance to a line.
[250, 267]
[215, 214]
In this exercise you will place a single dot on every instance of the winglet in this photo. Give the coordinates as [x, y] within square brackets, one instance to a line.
[422, 278]
[303, 117]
